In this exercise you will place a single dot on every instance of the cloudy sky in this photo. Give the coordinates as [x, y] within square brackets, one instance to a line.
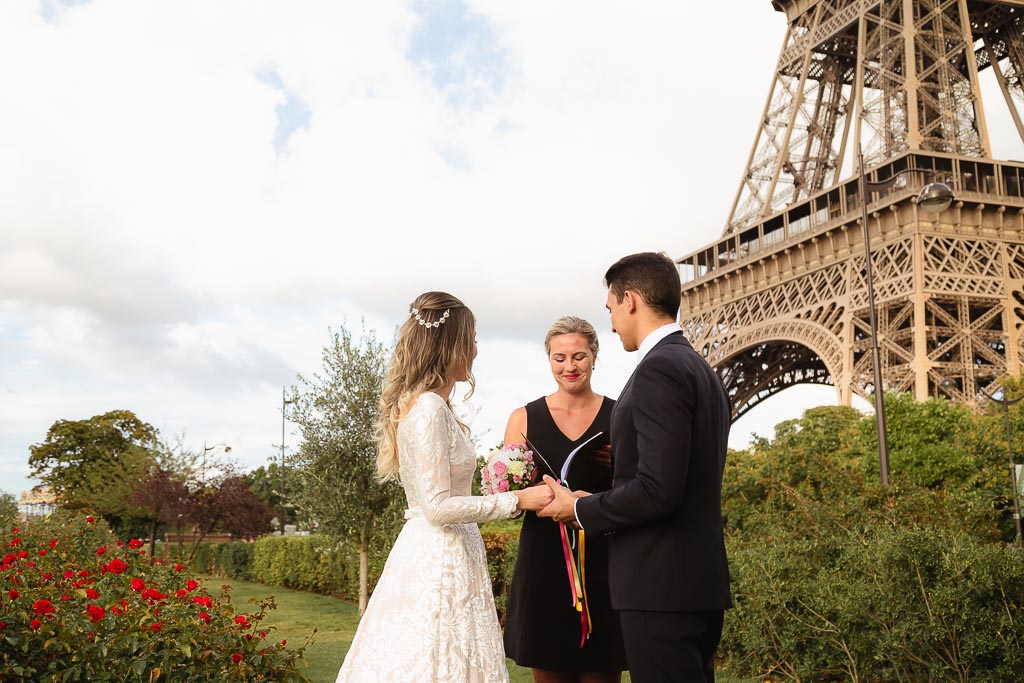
[193, 193]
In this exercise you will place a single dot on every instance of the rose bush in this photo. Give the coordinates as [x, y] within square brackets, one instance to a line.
[77, 604]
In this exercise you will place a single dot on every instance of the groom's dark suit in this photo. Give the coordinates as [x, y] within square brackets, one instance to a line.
[668, 571]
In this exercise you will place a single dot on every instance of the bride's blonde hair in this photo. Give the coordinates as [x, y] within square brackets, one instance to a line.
[435, 347]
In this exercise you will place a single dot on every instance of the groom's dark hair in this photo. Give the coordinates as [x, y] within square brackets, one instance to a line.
[652, 275]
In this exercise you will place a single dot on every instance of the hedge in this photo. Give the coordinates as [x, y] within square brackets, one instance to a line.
[903, 605]
[320, 564]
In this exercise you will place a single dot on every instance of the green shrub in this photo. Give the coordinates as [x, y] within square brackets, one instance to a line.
[502, 548]
[80, 605]
[235, 559]
[904, 605]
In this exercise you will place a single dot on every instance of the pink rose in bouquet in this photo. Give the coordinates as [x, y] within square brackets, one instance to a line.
[508, 468]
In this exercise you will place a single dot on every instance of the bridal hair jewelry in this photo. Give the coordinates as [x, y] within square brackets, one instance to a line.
[437, 323]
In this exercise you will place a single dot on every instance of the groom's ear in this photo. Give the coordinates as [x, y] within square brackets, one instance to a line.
[631, 299]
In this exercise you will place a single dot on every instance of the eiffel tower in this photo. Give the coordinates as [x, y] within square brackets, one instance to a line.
[782, 297]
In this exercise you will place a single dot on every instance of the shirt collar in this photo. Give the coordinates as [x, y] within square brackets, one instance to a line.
[653, 338]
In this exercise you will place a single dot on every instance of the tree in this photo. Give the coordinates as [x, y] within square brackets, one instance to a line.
[337, 413]
[164, 497]
[95, 463]
[8, 510]
[265, 482]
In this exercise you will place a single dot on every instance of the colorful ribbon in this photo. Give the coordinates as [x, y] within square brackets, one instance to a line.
[574, 550]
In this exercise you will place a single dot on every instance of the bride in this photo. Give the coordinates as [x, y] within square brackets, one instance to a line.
[432, 616]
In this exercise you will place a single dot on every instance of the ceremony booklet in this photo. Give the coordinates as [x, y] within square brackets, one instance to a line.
[582, 473]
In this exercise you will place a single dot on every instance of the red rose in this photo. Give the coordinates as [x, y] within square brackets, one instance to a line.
[92, 593]
[42, 607]
[22, 554]
[116, 566]
[236, 658]
[95, 612]
[263, 634]
[135, 543]
[84, 572]
[152, 594]
[180, 593]
[179, 567]
[53, 543]
[119, 544]
[248, 636]
[65, 597]
[202, 600]
[138, 585]
[47, 577]
[13, 594]
[284, 641]
[35, 624]
[156, 627]
[15, 542]
[102, 549]
[90, 519]
[240, 619]
[42, 553]
[69, 575]
[204, 617]
[191, 585]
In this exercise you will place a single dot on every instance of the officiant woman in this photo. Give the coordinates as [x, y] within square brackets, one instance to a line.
[543, 628]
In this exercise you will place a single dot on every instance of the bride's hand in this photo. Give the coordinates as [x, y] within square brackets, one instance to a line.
[534, 498]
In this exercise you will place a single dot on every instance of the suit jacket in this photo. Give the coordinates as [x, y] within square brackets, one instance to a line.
[669, 433]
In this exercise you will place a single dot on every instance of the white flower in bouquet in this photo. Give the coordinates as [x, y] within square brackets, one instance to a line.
[507, 468]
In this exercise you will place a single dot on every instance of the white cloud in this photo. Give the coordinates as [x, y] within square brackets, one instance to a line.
[165, 251]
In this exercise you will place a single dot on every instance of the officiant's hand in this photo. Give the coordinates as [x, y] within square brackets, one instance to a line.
[602, 457]
[533, 498]
[562, 506]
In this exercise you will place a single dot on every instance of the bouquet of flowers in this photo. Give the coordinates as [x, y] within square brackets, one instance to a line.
[507, 468]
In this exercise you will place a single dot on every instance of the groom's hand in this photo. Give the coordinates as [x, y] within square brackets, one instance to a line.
[561, 509]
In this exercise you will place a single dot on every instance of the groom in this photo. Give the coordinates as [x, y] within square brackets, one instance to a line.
[667, 566]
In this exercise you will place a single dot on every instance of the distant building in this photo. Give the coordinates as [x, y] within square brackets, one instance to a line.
[36, 504]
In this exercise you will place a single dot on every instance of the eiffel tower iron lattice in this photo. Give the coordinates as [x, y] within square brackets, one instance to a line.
[782, 298]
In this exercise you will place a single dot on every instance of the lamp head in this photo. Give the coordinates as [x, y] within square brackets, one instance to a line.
[935, 197]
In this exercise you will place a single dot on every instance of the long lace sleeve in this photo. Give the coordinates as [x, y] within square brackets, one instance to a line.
[431, 442]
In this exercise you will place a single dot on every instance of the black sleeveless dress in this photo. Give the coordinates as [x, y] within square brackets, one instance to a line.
[542, 628]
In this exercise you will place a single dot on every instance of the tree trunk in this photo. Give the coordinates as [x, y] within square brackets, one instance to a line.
[152, 541]
[364, 570]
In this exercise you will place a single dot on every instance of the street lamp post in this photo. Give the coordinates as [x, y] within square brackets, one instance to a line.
[933, 197]
[284, 403]
[206, 449]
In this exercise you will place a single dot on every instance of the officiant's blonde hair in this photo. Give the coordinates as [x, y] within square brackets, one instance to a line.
[570, 324]
[434, 347]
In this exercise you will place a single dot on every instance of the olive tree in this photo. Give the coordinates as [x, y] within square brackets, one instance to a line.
[336, 410]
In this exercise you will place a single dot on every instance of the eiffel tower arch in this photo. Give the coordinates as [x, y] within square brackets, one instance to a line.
[782, 297]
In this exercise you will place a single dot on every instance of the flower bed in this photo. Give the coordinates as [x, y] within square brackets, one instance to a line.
[77, 604]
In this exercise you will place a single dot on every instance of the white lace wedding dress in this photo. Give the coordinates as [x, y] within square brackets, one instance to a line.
[431, 618]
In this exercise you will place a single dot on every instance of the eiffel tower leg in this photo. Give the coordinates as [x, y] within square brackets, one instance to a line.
[1004, 86]
[921, 362]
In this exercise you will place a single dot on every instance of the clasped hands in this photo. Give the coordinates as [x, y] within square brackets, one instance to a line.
[562, 506]
[550, 499]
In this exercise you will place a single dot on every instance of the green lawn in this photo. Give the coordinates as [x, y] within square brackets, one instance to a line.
[298, 613]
